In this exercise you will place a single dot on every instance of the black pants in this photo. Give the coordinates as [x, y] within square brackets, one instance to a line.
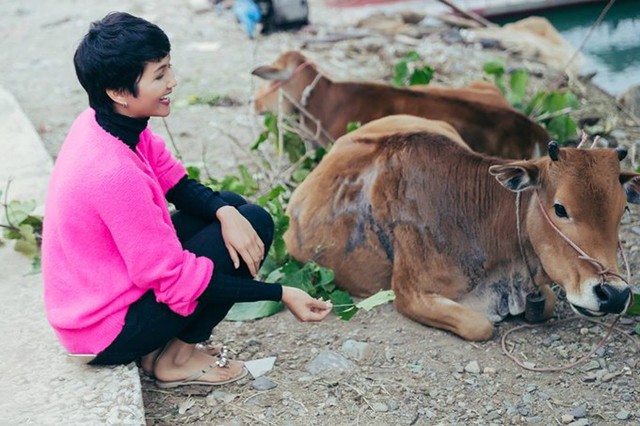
[149, 325]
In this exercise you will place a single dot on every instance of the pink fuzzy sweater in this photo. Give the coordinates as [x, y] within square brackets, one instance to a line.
[108, 236]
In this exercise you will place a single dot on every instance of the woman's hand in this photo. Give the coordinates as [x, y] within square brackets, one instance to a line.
[304, 307]
[240, 239]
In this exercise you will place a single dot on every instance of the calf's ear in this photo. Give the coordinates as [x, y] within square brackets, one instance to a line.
[267, 72]
[517, 176]
[631, 184]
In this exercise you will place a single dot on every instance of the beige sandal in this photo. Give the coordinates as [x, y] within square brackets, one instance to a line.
[193, 379]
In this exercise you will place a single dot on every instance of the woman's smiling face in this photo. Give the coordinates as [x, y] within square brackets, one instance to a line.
[154, 87]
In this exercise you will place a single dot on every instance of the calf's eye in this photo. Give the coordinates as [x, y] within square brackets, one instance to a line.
[560, 211]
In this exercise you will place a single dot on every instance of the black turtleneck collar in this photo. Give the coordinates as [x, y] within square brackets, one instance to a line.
[125, 128]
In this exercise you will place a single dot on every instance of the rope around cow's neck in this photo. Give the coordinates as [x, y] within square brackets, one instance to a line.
[521, 245]
[602, 271]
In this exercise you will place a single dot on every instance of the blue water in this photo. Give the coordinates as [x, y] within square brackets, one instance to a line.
[613, 48]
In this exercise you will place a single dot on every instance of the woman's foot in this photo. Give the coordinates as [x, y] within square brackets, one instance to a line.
[148, 361]
[181, 363]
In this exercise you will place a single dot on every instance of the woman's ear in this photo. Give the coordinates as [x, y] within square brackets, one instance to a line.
[117, 96]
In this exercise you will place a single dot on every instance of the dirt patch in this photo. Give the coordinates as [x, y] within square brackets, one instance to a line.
[409, 374]
[403, 373]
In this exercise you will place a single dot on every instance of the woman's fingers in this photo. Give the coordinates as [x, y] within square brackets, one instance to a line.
[233, 254]
[252, 257]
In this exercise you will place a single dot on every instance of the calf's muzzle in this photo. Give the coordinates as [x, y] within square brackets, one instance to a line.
[613, 300]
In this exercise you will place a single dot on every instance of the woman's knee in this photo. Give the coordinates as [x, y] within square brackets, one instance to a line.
[232, 198]
[261, 221]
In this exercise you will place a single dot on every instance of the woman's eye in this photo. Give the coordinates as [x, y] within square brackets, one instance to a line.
[160, 77]
[560, 211]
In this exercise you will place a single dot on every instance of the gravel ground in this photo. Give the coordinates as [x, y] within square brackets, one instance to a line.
[379, 368]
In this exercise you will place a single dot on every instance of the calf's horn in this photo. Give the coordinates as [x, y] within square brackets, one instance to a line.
[553, 150]
[622, 152]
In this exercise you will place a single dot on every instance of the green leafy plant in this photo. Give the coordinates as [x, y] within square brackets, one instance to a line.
[279, 266]
[23, 226]
[551, 109]
[353, 125]
[411, 70]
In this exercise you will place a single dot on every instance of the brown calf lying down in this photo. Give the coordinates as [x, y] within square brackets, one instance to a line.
[402, 203]
[478, 112]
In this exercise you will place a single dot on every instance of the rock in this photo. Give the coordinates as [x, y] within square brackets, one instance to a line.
[356, 350]
[623, 415]
[489, 370]
[566, 419]
[216, 395]
[581, 422]
[393, 405]
[472, 367]
[601, 352]
[380, 407]
[591, 365]
[262, 384]
[259, 367]
[329, 361]
[626, 320]
[579, 412]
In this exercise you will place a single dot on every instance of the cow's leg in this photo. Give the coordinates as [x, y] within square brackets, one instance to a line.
[441, 312]
[426, 284]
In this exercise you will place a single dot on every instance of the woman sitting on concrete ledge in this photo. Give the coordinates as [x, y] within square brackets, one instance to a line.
[125, 280]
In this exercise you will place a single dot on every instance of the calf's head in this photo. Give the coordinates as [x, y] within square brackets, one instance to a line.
[291, 73]
[573, 218]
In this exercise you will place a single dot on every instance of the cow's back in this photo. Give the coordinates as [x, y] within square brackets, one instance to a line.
[337, 212]
[481, 116]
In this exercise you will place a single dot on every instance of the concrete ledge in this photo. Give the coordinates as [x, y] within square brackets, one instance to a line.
[40, 384]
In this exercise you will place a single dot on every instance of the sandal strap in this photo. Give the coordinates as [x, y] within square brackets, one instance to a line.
[199, 374]
[223, 361]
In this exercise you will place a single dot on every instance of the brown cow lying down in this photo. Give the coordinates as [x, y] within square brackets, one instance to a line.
[402, 203]
[479, 112]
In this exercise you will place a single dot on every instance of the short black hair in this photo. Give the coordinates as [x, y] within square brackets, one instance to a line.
[113, 54]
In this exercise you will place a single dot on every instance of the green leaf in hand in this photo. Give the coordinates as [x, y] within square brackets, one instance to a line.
[380, 298]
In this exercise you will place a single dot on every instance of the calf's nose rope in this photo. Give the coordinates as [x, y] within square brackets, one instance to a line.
[600, 268]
